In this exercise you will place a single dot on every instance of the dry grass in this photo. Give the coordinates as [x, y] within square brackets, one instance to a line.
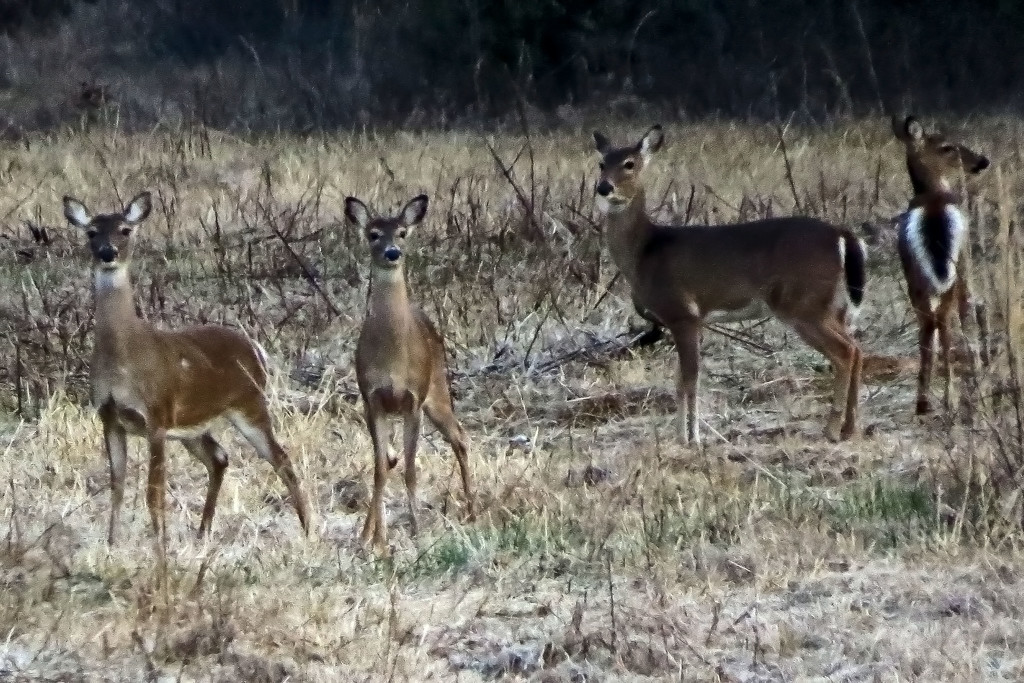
[604, 550]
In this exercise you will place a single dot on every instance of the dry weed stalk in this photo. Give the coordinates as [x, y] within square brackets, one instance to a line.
[865, 560]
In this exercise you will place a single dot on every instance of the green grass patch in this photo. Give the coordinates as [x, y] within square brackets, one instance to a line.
[552, 546]
[886, 513]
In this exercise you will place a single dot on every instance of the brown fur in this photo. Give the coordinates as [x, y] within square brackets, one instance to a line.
[400, 364]
[934, 164]
[682, 275]
[168, 384]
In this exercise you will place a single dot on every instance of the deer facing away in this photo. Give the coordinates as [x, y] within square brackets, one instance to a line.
[808, 273]
[931, 242]
[400, 363]
[162, 384]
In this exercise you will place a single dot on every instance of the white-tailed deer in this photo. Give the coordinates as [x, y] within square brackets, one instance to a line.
[163, 384]
[400, 363]
[931, 242]
[808, 273]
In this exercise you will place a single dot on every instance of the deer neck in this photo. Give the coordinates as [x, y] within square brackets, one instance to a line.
[627, 232]
[928, 185]
[935, 196]
[114, 301]
[387, 303]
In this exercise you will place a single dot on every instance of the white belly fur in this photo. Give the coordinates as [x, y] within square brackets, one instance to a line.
[752, 311]
[126, 402]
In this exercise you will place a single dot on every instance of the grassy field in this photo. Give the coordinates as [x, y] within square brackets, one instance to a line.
[603, 550]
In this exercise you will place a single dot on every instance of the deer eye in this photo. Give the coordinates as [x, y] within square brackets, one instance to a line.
[90, 233]
[374, 235]
[628, 165]
[601, 165]
[126, 231]
[947, 148]
[401, 233]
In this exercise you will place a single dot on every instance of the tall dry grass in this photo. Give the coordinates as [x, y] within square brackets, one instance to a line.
[604, 550]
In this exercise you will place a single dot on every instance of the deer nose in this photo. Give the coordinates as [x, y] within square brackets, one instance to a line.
[604, 188]
[981, 165]
[392, 253]
[107, 253]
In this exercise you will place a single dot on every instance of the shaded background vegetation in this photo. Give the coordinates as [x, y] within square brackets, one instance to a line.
[306, 64]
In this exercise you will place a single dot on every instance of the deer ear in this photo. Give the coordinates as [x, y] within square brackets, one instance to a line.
[651, 142]
[76, 213]
[138, 209]
[912, 128]
[898, 126]
[414, 211]
[356, 212]
[601, 142]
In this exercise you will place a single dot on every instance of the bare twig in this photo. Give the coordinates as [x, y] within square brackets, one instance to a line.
[781, 132]
[524, 201]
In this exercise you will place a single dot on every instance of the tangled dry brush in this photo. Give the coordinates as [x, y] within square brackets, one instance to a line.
[603, 549]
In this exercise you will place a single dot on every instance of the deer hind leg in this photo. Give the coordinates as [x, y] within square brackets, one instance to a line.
[116, 444]
[439, 411]
[374, 527]
[687, 339]
[946, 349]
[255, 427]
[206, 450]
[853, 396]
[830, 338]
[925, 343]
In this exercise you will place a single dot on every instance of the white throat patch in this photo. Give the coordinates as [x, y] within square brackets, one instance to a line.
[911, 233]
[387, 275]
[607, 206]
[106, 279]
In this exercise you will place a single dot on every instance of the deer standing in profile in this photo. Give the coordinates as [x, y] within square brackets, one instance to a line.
[808, 273]
[162, 384]
[931, 241]
[400, 363]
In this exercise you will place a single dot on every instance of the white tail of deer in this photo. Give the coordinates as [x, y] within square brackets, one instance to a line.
[808, 273]
[931, 240]
[162, 384]
[400, 363]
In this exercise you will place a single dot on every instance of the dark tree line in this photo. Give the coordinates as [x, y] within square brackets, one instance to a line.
[757, 58]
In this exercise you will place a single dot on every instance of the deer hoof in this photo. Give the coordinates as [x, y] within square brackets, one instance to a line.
[833, 428]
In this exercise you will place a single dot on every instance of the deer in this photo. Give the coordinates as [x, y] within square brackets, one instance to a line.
[807, 273]
[168, 384]
[931, 241]
[401, 367]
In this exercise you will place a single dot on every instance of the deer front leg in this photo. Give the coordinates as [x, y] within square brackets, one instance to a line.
[979, 320]
[411, 438]
[687, 338]
[981, 317]
[374, 529]
[652, 336]
[116, 445]
[156, 486]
